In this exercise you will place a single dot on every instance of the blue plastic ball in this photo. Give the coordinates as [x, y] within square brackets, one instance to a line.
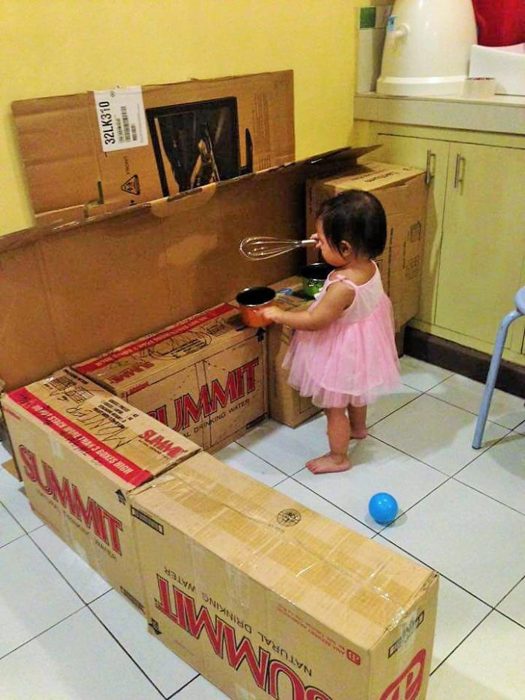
[383, 508]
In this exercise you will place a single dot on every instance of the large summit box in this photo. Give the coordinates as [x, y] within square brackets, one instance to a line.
[269, 599]
[205, 376]
[81, 452]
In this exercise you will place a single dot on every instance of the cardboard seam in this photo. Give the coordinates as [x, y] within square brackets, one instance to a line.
[50, 305]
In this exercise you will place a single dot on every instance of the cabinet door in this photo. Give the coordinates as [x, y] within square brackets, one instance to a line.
[483, 243]
[431, 155]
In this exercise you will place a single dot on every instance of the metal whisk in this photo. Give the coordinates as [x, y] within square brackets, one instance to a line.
[264, 247]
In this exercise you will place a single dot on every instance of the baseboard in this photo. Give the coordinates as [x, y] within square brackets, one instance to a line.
[466, 361]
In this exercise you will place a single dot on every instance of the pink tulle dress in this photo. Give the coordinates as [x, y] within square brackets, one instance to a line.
[353, 360]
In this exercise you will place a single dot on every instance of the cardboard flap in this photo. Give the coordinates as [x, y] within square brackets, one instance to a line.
[118, 148]
[316, 165]
[185, 201]
[342, 154]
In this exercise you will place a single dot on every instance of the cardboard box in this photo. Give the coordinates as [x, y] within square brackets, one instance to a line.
[205, 377]
[403, 194]
[11, 468]
[267, 598]
[9, 465]
[82, 452]
[285, 404]
[97, 152]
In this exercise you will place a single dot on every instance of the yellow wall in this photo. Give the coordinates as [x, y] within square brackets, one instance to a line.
[54, 47]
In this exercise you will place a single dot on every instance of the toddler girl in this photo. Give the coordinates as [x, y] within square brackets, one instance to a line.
[343, 353]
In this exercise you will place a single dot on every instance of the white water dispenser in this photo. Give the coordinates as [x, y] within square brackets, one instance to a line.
[427, 47]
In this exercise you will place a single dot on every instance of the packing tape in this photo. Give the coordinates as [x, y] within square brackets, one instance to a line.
[243, 694]
[56, 448]
[240, 585]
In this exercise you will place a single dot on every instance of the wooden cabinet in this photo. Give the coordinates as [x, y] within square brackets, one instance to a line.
[483, 242]
[475, 236]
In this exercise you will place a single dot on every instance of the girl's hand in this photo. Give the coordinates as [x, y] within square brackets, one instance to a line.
[272, 313]
[315, 237]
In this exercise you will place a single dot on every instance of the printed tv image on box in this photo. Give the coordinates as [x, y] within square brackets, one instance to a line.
[197, 143]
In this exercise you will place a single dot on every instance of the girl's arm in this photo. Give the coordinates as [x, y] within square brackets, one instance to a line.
[337, 298]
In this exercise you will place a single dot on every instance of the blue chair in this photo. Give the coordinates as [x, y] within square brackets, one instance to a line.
[519, 311]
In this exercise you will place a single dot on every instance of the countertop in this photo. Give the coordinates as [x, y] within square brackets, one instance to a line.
[503, 114]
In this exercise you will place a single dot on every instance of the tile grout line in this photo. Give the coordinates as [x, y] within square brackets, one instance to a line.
[522, 580]
[264, 460]
[467, 410]
[492, 610]
[56, 568]
[55, 624]
[415, 504]
[399, 408]
[185, 686]
[128, 654]
[492, 498]
[509, 618]
[407, 454]
[269, 463]
[458, 374]
[439, 398]
[370, 426]
[98, 597]
[334, 505]
[442, 575]
[17, 520]
[292, 476]
[453, 476]
[18, 537]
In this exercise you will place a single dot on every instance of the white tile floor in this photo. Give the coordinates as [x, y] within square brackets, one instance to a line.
[65, 635]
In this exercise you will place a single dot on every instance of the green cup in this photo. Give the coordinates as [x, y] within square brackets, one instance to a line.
[314, 276]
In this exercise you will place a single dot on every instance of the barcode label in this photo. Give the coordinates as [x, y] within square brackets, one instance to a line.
[61, 383]
[121, 118]
[66, 387]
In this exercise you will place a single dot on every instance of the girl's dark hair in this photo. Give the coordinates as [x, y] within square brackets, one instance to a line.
[356, 217]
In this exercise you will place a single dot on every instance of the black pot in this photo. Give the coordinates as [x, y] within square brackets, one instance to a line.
[314, 276]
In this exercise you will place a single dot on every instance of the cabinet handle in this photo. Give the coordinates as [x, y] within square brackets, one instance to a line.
[431, 167]
[459, 173]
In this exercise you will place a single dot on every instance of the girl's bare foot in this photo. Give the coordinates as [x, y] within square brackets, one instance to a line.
[359, 434]
[311, 462]
[328, 463]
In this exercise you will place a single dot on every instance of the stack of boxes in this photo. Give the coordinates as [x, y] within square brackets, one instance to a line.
[255, 591]
[263, 596]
